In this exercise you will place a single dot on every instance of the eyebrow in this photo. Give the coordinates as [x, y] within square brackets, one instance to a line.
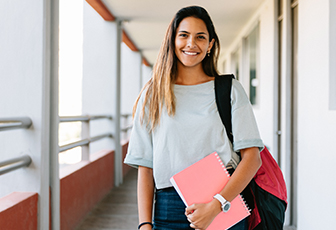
[183, 31]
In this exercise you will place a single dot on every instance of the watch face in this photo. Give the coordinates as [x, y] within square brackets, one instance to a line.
[226, 207]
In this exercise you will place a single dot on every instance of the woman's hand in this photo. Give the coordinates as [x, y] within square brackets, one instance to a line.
[200, 216]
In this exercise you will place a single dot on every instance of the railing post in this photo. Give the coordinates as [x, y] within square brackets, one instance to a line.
[86, 135]
[124, 133]
[118, 153]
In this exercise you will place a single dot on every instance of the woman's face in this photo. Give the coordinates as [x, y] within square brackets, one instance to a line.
[192, 42]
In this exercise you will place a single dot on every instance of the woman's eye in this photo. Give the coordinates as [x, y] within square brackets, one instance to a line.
[201, 37]
[183, 35]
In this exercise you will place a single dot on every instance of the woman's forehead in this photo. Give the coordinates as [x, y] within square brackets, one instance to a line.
[192, 24]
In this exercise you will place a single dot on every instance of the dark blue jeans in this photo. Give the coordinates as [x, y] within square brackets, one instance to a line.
[169, 212]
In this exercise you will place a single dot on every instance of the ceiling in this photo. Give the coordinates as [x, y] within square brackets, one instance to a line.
[147, 20]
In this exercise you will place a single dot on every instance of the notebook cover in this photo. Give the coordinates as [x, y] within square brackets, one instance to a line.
[204, 179]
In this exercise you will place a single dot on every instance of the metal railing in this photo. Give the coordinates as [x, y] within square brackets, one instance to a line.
[15, 163]
[15, 123]
[127, 128]
[25, 123]
[83, 142]
[18, 162]
[87, 139]
[83, 118]
[126, 125]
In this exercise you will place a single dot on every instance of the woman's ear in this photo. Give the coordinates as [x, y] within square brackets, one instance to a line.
[211, 44]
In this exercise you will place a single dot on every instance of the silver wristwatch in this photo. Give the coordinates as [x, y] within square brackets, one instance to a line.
[226, 205]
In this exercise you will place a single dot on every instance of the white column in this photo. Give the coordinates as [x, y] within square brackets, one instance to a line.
[54, 118]
[49, 176]
[117, 110]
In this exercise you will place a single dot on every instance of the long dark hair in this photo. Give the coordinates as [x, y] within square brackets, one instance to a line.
[160, 87]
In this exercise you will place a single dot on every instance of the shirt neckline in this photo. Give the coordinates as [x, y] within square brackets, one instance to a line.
[211, 82]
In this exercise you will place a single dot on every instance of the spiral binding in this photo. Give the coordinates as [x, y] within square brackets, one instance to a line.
[248, 210]
[223, 166]
[241, 198]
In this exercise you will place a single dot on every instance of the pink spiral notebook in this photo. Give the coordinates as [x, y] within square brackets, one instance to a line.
[204, 179]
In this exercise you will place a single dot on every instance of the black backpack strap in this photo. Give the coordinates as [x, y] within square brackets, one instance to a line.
[223, 84]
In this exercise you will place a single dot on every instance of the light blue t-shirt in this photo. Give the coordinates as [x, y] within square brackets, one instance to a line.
[194, 132]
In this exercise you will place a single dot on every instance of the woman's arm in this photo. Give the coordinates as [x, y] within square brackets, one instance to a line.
[145, 196]
[201, 215]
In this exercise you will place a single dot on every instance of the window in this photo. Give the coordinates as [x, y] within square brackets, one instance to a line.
[252, 45]
[235, 63]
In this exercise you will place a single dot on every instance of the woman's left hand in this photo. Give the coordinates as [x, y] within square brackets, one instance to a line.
[200, 216]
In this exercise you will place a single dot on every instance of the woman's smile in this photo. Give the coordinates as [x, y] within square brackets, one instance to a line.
[190, 53]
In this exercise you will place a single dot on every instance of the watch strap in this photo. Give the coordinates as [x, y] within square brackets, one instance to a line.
[220, 198]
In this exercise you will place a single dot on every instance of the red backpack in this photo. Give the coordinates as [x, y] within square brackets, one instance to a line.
[266, 194]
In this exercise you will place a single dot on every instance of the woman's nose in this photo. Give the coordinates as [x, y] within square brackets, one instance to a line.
[191, 42]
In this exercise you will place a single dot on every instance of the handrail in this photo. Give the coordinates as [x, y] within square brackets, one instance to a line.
[15, 163]
[15, 123]
[83, 118]
[87, 141]
[127, 128]
[83, 142]
[126, 115]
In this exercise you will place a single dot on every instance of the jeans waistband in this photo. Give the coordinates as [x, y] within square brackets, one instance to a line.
[166, 189]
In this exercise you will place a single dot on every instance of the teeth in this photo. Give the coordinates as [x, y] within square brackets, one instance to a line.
[190, 53]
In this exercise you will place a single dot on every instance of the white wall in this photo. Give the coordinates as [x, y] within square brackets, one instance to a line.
[131, 69]
[316, 117]
[317, 124]
[99, 74]
[21, 90]
[134, 75]
[146, 74]
[131, 64]
[27, 69]
[264, 109]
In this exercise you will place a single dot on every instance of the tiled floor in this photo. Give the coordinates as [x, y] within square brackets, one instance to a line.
[117, 211]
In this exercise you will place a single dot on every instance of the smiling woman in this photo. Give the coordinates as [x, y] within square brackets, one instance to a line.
[176, 123]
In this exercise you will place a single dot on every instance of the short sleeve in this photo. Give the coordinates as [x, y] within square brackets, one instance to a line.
[140, 147]
[244, 125]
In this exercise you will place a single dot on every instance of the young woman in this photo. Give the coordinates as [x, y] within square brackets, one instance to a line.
[176, 123]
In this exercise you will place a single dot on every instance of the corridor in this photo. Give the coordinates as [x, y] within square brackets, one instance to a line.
[72, 70]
